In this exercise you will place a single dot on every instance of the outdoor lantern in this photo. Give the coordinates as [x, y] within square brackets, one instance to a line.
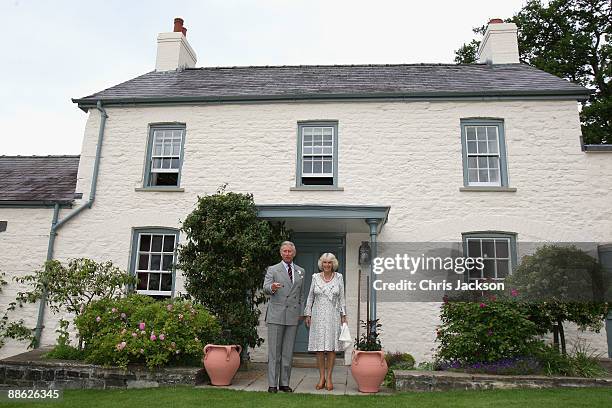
[365, 253]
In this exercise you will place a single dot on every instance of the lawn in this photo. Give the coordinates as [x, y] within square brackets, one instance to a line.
[196, 397]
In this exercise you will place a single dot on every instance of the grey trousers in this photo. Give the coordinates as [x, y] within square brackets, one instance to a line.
[281, 339]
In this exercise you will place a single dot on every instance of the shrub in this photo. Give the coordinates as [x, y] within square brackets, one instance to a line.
[138, 329]
[509, 366]
[486, 331]
[224, 258]
[12, 329]
[581, 362]
[397, 361]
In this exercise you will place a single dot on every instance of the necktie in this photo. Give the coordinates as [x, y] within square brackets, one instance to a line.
[290, 272]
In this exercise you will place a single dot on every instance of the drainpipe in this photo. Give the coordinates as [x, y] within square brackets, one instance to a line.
[373, 223]
[56, 225]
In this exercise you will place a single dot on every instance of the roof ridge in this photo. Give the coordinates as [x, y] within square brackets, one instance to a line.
[445, 64]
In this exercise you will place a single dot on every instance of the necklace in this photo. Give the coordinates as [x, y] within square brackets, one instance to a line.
[328, 279]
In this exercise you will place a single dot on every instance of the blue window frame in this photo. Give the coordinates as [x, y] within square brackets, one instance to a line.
[484, 153]
[317, 154]
[498, 250]
[153, 259]
[164, 159]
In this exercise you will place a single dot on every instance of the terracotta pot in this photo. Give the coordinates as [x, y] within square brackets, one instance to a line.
[221, 363]
[368, 369]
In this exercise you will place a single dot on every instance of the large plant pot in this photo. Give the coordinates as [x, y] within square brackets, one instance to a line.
[368, 369]
[221, 363]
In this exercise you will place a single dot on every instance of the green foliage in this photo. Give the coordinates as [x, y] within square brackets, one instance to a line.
[63, 350]
[570, 39]
[397, 361]
[223, 260]
[12, 329]
[369, 339]
[559, 284]
[72, 287]
[138, 329]
[581, 362]
[488, 331]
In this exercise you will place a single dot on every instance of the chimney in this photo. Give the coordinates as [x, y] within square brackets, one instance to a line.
[500, 43]
[173, 50]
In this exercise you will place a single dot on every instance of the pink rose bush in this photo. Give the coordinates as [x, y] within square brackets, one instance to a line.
[177, 331]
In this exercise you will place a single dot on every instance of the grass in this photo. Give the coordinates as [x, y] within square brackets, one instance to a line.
[180, 397]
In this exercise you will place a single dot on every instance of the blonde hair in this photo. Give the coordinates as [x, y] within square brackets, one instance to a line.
[328, 256]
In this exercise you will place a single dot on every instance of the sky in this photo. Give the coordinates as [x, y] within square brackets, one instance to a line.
[53, 51]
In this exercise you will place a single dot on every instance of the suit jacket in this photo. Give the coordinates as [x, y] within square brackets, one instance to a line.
[286, 305]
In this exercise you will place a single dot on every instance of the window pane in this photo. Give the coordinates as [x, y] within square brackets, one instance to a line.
[166, 283]
[308, 131]
[492, 132]
[472, 162]
[143, 279]
[157, 163]
[492, 147]
[501, 248]
[164, 179]
[482, 147]
[166, 163]
[167, 265]
[155, 262]
[471, 133]
[317, 150]
[307, 150]
[167, 149]
[488, 248]
[317, 167]
[176, 149]
[307, 166]
[327, 166]
[481, 133]
[472, 176]
[502, 269]
[168, 243]
[489, 268]
[482, 162]
[157, 149]
[175, 163]
[471, 147]
[143, 262]
[494, 176]
[493, 163]
[157, 243]
[145, 242]
[483, 176]
[154, 280]
[474, 248]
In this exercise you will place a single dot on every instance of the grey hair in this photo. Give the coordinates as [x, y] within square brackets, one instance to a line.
[328, 256]
[287, 243]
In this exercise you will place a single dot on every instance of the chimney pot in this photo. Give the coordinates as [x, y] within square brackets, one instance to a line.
[496, 21]
[178, 25]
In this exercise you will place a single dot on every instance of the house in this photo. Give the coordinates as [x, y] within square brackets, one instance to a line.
[344, 154]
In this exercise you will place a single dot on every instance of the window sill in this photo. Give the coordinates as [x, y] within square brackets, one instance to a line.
[316, 188]
[597, 148]
[161, 189]
[488, 188]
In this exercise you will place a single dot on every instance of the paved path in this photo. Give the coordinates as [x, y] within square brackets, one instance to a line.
[303, 380]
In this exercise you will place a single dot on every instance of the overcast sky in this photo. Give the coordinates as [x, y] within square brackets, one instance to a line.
[56, 50]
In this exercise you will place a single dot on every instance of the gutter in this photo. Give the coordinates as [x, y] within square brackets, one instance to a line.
[56, 225]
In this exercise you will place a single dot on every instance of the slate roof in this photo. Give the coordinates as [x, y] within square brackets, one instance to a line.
[38, 178]
[336, 81]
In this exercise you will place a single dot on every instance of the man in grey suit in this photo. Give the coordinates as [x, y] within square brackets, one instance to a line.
[283, 282]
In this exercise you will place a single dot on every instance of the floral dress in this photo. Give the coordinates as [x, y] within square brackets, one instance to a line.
[325, 305]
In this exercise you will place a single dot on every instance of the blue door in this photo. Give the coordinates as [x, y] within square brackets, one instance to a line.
[310, 247]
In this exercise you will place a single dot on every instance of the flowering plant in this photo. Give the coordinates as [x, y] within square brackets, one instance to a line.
[138, 329]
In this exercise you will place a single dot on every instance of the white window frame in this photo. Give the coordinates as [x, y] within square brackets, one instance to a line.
[150, 253]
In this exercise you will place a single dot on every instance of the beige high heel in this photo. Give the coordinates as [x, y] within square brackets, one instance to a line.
[320, 385]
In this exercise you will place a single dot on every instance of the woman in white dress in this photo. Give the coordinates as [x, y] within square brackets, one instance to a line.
[324, 314]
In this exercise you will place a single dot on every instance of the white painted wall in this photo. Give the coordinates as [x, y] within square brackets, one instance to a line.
[406, 155]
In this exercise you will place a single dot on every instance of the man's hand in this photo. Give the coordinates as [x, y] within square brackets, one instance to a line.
[275, 286]
[344, 320]
[307, 321]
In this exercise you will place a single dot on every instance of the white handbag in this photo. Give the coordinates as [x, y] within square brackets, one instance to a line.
[345, 337]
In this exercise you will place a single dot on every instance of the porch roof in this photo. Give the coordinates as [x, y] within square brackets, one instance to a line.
[325, 217]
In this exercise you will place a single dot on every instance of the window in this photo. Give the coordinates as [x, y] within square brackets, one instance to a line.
[3, 225]
[317, 163]
[165, 156]
[498, 251]
[484, 153]
[153, 259]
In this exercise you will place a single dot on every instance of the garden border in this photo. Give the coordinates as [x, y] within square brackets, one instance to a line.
[415, 380]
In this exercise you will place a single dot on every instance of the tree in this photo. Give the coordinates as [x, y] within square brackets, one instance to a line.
[227, 250]
[71, 288]
[571, 39]
[559, 284]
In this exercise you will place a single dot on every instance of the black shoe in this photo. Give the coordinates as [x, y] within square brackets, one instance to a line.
[285, 388]
[273, 389]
